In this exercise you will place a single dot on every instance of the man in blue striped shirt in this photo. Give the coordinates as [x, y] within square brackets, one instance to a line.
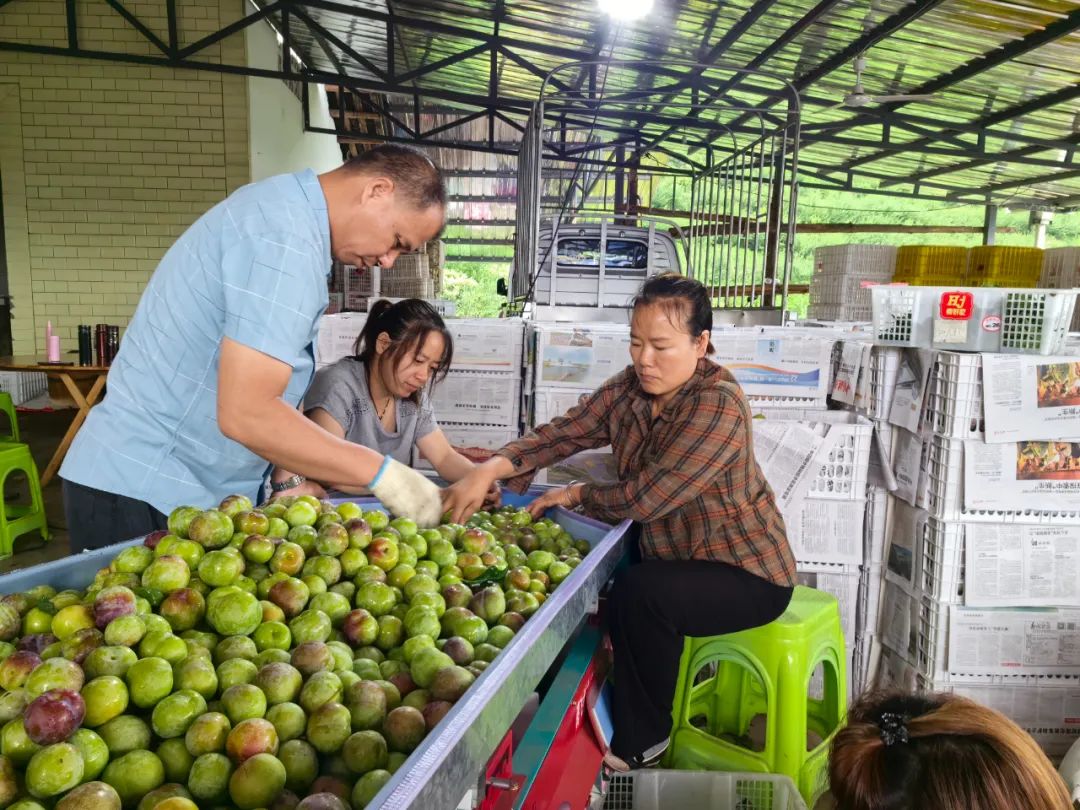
[202, 397]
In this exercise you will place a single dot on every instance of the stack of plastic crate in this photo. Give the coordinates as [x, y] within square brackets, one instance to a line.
[981, 602]
[1004, 266]
[1061, 271]
[839, 289]
[478, 404]
[930, 264]
[871, 377]
[23, 385]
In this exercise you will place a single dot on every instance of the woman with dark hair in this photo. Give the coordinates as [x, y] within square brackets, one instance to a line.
[715, 554]
[379, 397]
[920, 751]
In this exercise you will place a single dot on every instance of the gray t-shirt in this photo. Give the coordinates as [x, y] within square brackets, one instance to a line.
[342, 391]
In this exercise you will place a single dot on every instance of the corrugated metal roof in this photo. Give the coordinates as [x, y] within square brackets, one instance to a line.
[982, 59]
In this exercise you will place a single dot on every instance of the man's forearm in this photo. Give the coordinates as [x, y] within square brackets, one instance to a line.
[286, 438]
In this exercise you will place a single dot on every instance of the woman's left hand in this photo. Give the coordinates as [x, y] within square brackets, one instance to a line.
[566, 497]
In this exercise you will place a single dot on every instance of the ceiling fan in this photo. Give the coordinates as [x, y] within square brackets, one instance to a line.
[860, 98]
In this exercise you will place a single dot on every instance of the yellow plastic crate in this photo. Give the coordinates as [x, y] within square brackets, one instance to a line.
[1004, 266]
[930, 265]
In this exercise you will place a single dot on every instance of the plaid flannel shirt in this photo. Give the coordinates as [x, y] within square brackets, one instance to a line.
[689, 476]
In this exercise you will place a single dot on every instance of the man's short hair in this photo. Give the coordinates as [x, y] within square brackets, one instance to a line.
[415, 176]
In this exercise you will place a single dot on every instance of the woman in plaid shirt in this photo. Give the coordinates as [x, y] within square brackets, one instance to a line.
[715, 556]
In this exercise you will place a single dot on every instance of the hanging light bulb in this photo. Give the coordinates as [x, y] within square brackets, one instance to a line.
[625, 10]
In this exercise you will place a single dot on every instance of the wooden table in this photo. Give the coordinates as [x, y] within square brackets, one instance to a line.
[67, 373]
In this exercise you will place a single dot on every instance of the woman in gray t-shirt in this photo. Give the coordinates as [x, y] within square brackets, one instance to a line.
[379, 396]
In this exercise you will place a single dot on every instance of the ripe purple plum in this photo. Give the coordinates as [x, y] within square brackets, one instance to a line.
[54, 716]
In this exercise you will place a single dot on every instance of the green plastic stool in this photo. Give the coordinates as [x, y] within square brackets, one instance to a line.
[16, 520]
[764, 671]
[8, 406]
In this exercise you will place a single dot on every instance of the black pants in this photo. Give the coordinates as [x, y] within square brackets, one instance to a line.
[653, 606]
[96, 518]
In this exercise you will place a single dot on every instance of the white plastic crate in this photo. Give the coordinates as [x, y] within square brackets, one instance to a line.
[869, 605]
[840, 289]
[1037, 703]
[874, 525]
[551, 402]
[487, 344]
[990, 319]
[478, 398]
[23, 385]
[954, 404]
[931, 638]
[799, 408]
[884, 368]
[945, 499]
[825, 530]
[867, 261]
[1061, 270]
[843, 475]
[841, 313]
[653, 789]
[941, 561]
[842, 581]
[1010, 641]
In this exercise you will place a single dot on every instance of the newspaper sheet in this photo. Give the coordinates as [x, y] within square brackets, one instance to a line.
[580, 357]
[1031, 397]
[862, 387]
[1016, 564]
[904, 543]
[1030, 475]
[1043, 704]
[1014, 641]
[909, 395]
[908, 467]
[470, 398]
[898, 617]
[769, 365]
[846, 383]
[337, 334]
[487, 344]
[844, 585]
[791, 455]
[824, 530]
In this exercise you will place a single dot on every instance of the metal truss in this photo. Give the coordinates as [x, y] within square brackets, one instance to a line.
[384, 68]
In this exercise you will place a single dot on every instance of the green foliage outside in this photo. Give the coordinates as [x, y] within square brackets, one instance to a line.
[472, 284]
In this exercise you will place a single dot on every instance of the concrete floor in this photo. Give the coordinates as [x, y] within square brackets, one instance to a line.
[42, 430]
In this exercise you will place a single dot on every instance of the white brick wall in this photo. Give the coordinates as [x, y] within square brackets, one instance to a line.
[105, 164]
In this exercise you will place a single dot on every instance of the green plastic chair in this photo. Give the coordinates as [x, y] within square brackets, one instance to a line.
[8, 407]
[764, 671]
[15, 519]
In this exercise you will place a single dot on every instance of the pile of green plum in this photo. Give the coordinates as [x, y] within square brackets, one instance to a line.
[290, 655]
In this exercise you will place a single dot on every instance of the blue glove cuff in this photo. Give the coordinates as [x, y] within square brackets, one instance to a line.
[382, 469]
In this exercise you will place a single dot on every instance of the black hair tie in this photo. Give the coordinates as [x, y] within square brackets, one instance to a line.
[893, 729]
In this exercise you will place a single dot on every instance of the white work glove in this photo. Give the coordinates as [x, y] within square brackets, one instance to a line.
[407, 493]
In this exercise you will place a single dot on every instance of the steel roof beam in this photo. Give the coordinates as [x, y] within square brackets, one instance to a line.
[1026, 181]
[138, 25]
[1012, 156]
